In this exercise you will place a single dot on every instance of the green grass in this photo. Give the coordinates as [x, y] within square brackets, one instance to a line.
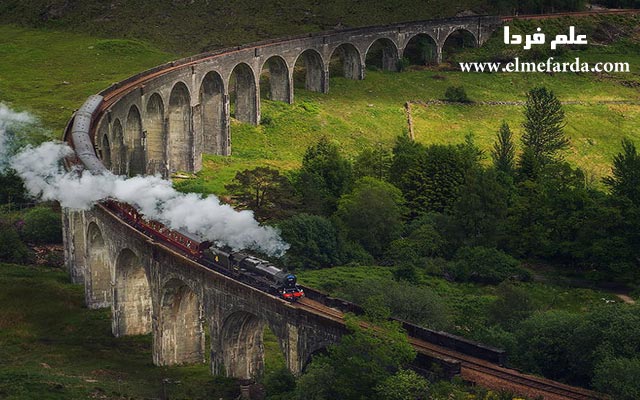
[51, 73]
[359, 114]
[189, 27]
[51, 347]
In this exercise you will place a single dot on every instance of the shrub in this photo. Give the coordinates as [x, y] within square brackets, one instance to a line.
[514, 304]
[485, 265]
[619, 377]
[42, 225]
[11, 247]
[456, 94]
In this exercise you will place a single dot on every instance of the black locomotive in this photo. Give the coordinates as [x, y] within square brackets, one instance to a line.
[257, 272]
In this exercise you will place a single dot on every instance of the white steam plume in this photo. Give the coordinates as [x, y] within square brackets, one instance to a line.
[43, 176]
[9, 121]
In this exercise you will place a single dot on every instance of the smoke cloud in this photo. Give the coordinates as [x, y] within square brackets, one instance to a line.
[11, 123]
[44, 177]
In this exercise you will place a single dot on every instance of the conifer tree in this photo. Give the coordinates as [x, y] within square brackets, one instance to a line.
[544, 126]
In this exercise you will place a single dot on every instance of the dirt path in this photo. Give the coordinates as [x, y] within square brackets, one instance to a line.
[626, 299]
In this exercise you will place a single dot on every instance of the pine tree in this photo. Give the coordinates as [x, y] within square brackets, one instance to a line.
[504, 150]
[544, 126]
[625, 179]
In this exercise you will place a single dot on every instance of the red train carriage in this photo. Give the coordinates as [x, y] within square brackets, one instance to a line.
[184, 241]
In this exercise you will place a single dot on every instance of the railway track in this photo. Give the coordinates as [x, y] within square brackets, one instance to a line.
[479, 371]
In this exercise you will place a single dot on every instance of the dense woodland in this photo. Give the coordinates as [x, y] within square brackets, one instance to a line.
[455, 212]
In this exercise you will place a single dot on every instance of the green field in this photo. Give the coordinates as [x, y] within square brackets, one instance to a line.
[38, 74]
[51, 73]
[359, 114]
[52, 347]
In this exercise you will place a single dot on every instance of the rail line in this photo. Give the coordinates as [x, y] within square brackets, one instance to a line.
[480, 371]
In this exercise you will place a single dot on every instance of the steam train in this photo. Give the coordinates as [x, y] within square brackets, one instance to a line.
[244, 267]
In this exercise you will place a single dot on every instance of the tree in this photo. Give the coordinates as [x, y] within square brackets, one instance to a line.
[429, 177]
[403, 385]
[11, 247]
[456, 94]
[480, 209]
[42, 225]
[313, 240]
[324, 176]
[372, 214]
[619, 377]
[374, 162]
[485, 265]
[504, 150]
[544, 125]
[265, 191]
[13, 190]
[354, 367]
[625, 178]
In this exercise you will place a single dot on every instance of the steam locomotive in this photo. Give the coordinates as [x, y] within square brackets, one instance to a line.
[244, 267]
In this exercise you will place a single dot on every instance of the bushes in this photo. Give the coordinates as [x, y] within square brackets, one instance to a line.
[485, 265]
[42, 225]
[313, 240]
[11, 247]
[456, 94]
[619, 377]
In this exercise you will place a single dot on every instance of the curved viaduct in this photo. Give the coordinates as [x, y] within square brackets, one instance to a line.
[175, 112]
[160, 122]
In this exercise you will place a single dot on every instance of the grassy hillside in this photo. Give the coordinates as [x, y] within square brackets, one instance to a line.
[51, 73]
[192, 26]
[357, 114]
[52, 347]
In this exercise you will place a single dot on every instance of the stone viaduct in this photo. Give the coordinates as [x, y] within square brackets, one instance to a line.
[160, 122]
[164, 124]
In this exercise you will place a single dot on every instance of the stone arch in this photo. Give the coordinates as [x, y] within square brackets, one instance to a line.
[135, 142]
[242, 90]
[180, 335]
[119, 153]
[421, 49]
[156, 137]
[322, 350]
[131, 296]
[98, 284]
[382, 54]
[345, 60]
[214, 114]
[242, 345]
[309, 71]
[180, 139]
[104, 145]
[458, 40]
[275, 81]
